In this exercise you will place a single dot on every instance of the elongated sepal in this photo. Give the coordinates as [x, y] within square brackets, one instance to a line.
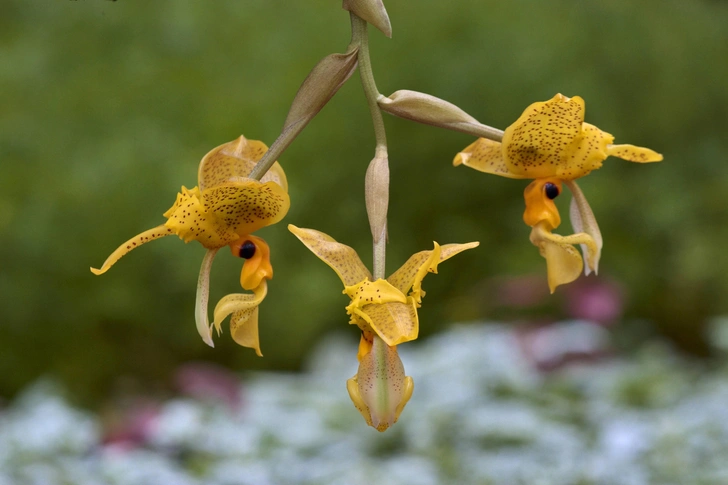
[372, 11]
[410, 274]
[376, 194]
[243, 308]
[319, 87]
[340, 257]
[131, 244]
[583, 220]
[203, 297]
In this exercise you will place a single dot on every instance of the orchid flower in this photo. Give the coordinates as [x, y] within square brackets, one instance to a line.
[385, 310]
[551, 144]
[224, 210]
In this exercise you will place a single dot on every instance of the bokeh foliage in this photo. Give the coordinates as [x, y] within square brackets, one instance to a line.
[107, 107]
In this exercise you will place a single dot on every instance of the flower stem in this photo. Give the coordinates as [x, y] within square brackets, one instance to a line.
[277, 148]
[360, 34]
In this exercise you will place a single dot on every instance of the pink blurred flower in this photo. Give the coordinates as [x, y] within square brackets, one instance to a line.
[205, 381]
[130, 424]
[599, 301]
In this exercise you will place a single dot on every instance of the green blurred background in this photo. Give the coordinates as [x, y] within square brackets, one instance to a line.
[107, 107]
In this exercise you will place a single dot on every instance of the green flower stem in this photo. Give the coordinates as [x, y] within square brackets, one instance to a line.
[277, 148]
[483, 131]
[360, 34]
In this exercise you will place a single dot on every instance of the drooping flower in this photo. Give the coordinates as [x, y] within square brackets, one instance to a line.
[551, 143]
[224, 210]
[385, 310]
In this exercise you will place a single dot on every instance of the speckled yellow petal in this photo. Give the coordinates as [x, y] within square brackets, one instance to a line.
[191, 222]
[633, 153]
[340, 257]
[585, 153]
[244, 207]
[380, 390]
[395, 323]
[244, 320]
[563, 261]
[366, 292]
[133, 243]
[233, 161]
[404, 278]
[535, 144]
[486, 156]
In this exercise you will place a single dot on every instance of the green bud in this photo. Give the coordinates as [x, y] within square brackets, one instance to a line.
[376, 191]
[430, 110]
[372, 11]
[319, 87]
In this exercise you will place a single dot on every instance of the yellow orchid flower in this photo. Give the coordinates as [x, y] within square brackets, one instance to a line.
[223, 210]
[386, 312]
[551, 143]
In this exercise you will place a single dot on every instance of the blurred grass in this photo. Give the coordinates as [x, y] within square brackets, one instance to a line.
[107, 108]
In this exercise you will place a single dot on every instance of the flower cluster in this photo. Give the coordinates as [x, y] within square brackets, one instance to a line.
[241, 188]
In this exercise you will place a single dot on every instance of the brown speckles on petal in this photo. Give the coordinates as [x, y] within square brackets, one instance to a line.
[585, 153]
[246, 206]
[233, 161]
[485, 156]
[133, 243]
[395, 323]
[535, 143]
[404, 277]
[633, 153]
[340, 257]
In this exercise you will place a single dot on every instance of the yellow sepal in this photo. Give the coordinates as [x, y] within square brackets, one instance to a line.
[244, 320]
[563, 261]
[340, 257]
[485, 156]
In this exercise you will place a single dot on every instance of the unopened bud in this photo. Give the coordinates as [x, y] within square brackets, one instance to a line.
[372, 11]
[430, 110]
[319, 87]
[376, 192]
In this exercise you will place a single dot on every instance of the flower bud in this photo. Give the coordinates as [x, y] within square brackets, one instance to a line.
[372, 11]
[319, 87]
[430, 110]
[376, 192]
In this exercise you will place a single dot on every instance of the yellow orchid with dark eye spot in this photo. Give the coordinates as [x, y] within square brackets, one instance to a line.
[385, 310]
[223, 210]
[551, 143]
